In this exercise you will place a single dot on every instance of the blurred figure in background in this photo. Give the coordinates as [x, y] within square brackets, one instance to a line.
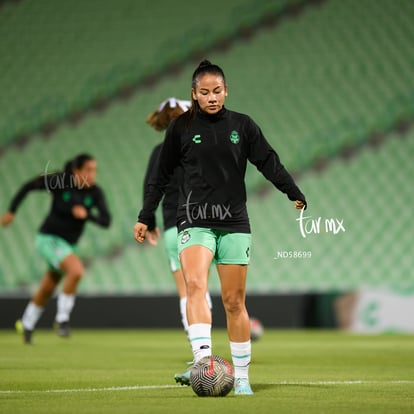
[167, 111]
[76, 199]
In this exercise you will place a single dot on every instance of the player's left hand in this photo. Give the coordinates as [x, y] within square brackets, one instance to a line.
[299, 204]
[79, 212]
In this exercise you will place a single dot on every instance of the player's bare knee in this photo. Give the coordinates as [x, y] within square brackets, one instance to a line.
[75, 272]
[194, 288]
[233, 303]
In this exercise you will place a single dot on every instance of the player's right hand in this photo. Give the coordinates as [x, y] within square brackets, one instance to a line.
[7, 218]
[140, 230]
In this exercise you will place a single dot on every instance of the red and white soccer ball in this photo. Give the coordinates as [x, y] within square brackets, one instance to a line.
[212, 376]
[256, 329]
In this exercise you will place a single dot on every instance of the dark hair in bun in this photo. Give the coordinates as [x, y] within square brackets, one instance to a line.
[206, 67]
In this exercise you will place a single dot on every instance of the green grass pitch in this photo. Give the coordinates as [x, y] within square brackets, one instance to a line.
[131, 371]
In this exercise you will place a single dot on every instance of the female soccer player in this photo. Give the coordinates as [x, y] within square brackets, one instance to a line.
[76, 199]
[167, 111]
[213, 145]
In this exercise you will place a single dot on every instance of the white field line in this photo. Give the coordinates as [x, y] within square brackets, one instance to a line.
[159, 387]
[356, 382]
[104, 389]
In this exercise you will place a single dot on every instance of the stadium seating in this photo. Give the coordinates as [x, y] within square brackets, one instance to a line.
[313, 90]
[368, 192]
[60, 60]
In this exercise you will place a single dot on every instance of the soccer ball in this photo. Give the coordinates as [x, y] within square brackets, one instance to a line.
[212, 377]
[256, 329]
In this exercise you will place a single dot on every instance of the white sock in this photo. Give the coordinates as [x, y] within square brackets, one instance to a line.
[65, 305]
[31, 315]
[183, 311]
[200, 340]
[241, 356]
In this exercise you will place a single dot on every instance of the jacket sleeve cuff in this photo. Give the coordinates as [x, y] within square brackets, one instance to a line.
[149, 220]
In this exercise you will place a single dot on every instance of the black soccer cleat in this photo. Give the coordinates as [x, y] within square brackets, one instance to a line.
[183, 378]
[63, 329]
[27, 337]
[26, 333]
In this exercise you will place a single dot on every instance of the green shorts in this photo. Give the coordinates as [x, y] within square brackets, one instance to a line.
[53, 249]
[170, 239]
[227, 248]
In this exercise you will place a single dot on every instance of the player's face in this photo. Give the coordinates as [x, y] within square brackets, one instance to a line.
[86, 175]
[210, 92]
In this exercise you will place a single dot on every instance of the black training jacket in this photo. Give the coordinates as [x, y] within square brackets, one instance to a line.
[60, 221]
[170, 200]
[213, 151]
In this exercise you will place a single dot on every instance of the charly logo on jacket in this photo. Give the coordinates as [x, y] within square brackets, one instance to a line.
[185, 237]
[197, 139]
[66, 196]
[88, 201]
[234, 137]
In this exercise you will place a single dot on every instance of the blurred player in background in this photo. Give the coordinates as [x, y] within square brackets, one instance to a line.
[213, 145]
[167, 111]
[76, 199]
